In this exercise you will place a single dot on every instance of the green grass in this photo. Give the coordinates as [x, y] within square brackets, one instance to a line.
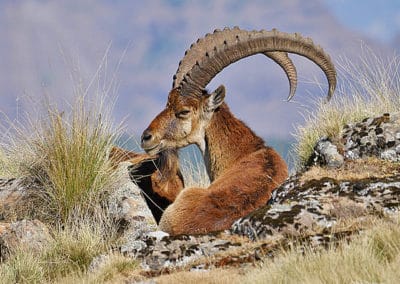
[75, 168]
[370, 87]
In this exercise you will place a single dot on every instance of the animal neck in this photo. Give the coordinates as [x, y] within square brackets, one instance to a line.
[227, 139]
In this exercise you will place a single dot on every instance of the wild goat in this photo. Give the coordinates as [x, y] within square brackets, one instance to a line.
[242, 169]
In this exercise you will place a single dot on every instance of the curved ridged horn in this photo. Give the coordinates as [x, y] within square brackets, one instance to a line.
[283, 60]
[192, 55]
[209, 55]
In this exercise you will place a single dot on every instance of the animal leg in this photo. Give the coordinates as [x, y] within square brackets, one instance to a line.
[244, 187]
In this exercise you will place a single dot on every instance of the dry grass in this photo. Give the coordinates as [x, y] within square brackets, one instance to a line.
[354, 170]
[68, 256]
[117, 269]
[371, 258]
[215, 276]
[367, 88]
[65, 149]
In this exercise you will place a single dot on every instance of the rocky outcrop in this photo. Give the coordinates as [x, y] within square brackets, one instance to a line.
[306, 211]
[310, 207]
[372, 137]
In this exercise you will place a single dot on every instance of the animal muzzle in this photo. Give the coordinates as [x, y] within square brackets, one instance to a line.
[149, 141]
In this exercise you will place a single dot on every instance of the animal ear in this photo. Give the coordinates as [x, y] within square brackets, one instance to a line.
[216, 98]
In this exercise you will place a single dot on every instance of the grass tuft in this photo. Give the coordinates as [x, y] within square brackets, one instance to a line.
[22, 267]
[69, 253]
[66, 150]
[75, 167]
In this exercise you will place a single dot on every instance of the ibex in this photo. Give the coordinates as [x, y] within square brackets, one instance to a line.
[242, 169]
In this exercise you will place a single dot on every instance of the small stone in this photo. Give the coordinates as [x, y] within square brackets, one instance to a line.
[352, 154]
[131, 248]
[158, 235]
[389, 155]
[329, 154]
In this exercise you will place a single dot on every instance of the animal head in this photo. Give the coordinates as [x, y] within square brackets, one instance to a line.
[189, 107]
[182, 122]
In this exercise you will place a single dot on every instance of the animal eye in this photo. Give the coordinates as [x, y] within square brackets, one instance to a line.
[183, 113]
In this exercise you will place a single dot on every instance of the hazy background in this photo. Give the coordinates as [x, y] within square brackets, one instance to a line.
[43, 42]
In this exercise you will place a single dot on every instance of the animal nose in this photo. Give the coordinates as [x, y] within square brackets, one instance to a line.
[146, 136]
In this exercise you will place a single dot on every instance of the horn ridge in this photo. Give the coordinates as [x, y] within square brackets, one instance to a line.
[230, 45]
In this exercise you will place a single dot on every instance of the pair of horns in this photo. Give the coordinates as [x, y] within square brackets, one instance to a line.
[212, 53]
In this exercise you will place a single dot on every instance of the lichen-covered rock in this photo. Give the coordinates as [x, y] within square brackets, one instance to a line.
[326, 153]
[372, 137]
[25, 234]
[167, 252]
[310, 207]
[379, 136]
[301, 212]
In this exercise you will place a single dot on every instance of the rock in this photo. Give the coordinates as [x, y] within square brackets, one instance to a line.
[372, 137]
[390, 155]
[25, 234]
[326, 153]
[302, 212]
[379, 136]
[311, 207]
[128, 207]
[172, 252]
[19, 198]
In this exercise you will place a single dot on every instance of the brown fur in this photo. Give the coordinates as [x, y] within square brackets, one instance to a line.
[242, 169]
